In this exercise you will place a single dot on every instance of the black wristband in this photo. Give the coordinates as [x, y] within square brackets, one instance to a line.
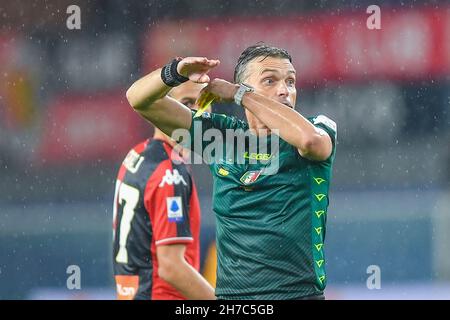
[170, 75]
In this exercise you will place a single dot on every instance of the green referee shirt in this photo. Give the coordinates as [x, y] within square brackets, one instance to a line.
[271, 211]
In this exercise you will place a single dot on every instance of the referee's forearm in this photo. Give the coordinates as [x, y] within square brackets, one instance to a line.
[293, 127]
[145, 91]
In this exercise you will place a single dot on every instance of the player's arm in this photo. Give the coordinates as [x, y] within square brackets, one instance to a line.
[148, 95]
[174, 269]
[312, 143]
[168, 205]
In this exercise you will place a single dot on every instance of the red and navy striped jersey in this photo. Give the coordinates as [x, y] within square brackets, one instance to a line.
[155, 203]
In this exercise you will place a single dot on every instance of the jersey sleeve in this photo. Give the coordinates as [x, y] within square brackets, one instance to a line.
[166, 199]
[329, 126]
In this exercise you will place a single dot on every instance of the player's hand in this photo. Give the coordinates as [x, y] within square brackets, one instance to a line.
[219, 90]
[196, 68]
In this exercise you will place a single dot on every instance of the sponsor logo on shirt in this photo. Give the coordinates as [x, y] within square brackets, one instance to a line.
[172, 178]
[126, 286]
[223, 172]
[174, 209]
[257, 156]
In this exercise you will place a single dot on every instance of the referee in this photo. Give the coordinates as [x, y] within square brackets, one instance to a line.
[270, 225]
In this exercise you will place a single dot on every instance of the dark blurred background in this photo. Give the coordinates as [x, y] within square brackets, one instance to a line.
[65, 127]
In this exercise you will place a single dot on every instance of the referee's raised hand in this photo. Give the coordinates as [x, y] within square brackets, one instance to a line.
[196, 68]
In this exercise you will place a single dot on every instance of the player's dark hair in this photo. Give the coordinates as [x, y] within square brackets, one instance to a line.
[257, 50]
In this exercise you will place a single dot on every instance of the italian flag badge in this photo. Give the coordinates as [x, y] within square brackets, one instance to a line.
[250, 177]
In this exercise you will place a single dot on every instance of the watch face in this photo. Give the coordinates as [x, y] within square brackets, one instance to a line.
[243, 88]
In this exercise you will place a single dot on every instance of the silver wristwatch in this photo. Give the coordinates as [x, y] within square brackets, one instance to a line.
[243, 89]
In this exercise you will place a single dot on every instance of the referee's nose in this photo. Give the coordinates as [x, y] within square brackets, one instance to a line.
[282, 90]
[283, 94]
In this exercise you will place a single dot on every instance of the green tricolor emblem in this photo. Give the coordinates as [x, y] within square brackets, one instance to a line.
[250, 177]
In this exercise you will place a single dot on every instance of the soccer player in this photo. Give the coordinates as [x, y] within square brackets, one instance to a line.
[270, 227]
[157, 221]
